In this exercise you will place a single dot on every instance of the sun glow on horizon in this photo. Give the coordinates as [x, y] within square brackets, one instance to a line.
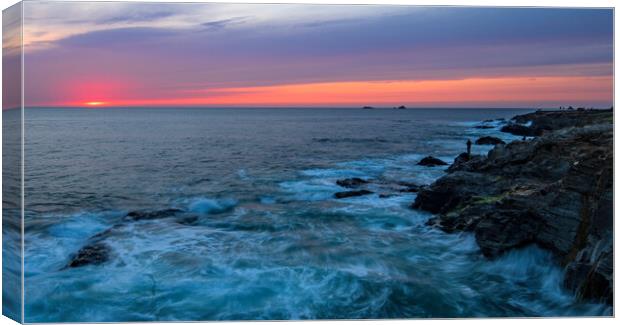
[515, 91]
[510, 91]
[95, 103]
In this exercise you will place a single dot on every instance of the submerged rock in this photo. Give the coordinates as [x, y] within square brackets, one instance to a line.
[431, 161]
[489, 140]
[351, 182]
[151, 215]
[555, 191]
[91, 254]
[484, 126]
[97, 252]
[342, 195]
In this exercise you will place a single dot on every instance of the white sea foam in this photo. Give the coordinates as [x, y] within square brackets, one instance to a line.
[209, 206]
[333, 173]
[49, 251]
[310, 190]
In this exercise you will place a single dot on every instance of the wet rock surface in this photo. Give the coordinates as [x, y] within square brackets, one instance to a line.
[555, 191]
[431, 161]
[519, 129]
[351, 182]
[539, 122]
[151, 215]
[466, 162]
[347, 194]
[385, 188]
[488, 140]
[96, 251]
[91, 254]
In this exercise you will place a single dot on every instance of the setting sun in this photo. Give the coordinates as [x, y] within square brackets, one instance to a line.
[94, 103]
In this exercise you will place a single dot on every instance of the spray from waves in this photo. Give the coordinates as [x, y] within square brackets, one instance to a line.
[539, 279]
[363, 261]
[208, 206]
[48, 250]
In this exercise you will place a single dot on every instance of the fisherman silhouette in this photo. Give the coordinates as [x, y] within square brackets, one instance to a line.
[468, 148]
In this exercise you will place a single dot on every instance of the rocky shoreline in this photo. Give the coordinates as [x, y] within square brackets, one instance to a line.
[554, 190]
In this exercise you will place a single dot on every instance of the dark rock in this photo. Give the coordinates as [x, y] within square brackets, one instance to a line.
[522, 130]
[484, 126]
[431, 161]
[544, 121]
[342, 195]
[152, 215]
[408, 187]
[407, 184]
[456, 189]
[351, 182]
[465, 162]
[592, 281]
[92, 254]
[97, 251]
[555, 191]
[489, 140]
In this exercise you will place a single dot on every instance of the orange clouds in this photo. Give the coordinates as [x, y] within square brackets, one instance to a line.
[533, 90]
[526, 91]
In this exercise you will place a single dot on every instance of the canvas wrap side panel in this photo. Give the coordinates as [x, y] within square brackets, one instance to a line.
[12, 182]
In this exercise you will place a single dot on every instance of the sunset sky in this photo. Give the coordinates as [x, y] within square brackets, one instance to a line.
[196, 54]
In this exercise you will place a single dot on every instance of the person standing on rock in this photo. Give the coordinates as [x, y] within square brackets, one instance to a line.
[468, 148]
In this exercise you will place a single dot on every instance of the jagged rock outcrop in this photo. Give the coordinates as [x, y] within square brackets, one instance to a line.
[539, 122]
[555, 191]
[465, 162]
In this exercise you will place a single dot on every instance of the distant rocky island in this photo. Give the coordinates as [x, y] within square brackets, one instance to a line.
[554, 190]
[395, 107]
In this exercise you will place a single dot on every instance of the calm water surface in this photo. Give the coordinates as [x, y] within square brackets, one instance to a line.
[270, 242]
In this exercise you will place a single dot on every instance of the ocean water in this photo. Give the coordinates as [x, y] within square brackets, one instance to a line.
[269, 240]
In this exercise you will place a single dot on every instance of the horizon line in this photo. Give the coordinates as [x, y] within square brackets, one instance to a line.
[369, 107]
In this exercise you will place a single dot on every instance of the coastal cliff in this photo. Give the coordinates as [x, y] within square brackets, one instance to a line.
[554, 190]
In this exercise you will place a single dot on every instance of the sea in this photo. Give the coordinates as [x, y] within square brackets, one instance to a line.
[269, 241]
